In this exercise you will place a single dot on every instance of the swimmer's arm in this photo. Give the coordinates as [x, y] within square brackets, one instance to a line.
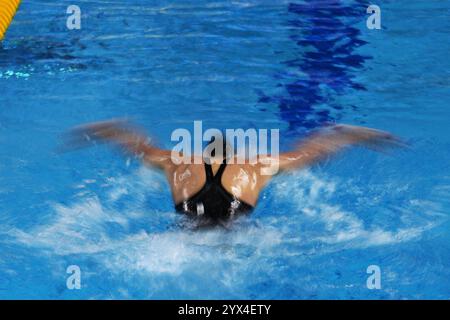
[132, 140]
[331, 140]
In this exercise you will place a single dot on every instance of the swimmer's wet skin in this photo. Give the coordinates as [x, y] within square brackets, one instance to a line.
[213, 201]
[216, 193]
[8, 9]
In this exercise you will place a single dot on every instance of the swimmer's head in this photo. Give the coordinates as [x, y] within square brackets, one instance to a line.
[217, 150]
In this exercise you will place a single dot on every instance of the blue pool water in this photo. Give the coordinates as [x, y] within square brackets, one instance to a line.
[232, 64]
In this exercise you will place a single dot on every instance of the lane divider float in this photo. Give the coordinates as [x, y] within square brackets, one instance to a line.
[8, 9]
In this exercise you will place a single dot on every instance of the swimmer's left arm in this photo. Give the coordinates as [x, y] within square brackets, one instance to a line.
[121, 133]
[330, 140]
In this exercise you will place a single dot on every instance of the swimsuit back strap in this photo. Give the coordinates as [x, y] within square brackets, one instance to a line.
[209, 173]
[219, 173]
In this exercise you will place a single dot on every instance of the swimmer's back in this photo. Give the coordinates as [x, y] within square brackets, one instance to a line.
[242, 181]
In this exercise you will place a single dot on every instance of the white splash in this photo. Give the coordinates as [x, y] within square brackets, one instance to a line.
[313, 202]
[84, 227]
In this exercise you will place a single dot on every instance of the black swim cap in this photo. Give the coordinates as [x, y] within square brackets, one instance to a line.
[226, 148]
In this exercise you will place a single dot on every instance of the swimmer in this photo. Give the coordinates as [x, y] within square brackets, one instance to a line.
[216, 190]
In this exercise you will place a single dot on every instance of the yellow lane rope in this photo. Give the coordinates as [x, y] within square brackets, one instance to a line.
[8, 9]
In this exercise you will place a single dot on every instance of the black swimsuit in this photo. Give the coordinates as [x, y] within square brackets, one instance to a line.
[213, 201]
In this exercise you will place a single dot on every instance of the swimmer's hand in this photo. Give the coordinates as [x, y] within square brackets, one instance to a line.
[120, 132]
[116, 130]
[330, 140]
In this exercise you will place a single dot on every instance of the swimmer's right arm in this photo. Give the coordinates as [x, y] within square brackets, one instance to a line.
[333, 139]
[131, 139]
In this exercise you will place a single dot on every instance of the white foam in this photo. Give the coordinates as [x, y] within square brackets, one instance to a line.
[84, 228]
[314, 202]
